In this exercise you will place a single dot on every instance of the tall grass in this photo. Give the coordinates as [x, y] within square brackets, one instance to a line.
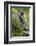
[16, 26]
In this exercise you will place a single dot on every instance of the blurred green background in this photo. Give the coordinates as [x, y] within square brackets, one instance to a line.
[15, 21]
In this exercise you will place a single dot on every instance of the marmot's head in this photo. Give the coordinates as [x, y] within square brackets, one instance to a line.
[21, 13]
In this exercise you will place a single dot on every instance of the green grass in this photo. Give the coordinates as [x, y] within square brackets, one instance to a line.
[16, 26]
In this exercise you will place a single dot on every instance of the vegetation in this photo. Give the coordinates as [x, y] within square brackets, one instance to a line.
[16, 26]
